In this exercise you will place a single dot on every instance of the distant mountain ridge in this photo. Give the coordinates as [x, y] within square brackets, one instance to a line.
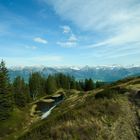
[103, 73]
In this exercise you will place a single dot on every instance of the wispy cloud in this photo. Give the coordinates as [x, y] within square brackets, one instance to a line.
[71, 41]
[67, 44]
[116, 52]
[72, 38]
[126, 36]
[40, 40]
[66, 29]
[94, 15]
[117, 21]
[31, 47]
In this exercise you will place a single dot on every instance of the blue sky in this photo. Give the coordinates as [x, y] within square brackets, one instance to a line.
[70, 32]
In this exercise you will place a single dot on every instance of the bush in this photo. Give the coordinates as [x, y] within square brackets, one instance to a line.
[107, 93]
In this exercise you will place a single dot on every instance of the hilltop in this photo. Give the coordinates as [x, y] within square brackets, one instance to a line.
[110, 112]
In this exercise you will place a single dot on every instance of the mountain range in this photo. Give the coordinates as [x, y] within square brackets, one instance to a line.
[100, 73]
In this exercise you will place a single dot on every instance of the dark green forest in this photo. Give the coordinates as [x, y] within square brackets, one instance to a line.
[20, 93]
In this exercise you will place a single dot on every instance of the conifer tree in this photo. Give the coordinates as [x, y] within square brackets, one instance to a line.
[36, 85]
[89, 84]
[99, 84]
[4, 80]
[73, 84]
[5, 96]
[21, 93]
[51, 85]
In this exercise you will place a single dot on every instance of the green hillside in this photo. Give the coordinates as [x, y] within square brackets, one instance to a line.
[109, 113]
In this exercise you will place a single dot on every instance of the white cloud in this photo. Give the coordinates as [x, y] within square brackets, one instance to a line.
[72, 38]
[31, 47]
[95, 15]
[126, 36]
[118, 21]
[66, 29]
[40, 40]
[69, 43]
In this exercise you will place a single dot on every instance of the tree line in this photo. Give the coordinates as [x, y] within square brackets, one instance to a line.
[19, 93]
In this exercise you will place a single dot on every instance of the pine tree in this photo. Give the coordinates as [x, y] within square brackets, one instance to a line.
[73, 84]
[51, 85]
[82, 85]
[99, 84]
[5, 96]
[4, 80]
[36, 85]
[78, 85]
[21, 93]
[57, 78]
[64, 81]
[89, 84]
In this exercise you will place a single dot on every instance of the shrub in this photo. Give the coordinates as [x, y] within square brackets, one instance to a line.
[107, 93]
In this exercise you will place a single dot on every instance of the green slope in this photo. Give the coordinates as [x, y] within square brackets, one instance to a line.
[110, 113]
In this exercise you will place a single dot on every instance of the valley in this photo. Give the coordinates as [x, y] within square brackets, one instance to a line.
[97, 73]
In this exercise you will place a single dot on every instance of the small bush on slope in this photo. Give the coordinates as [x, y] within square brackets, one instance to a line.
[107, 93]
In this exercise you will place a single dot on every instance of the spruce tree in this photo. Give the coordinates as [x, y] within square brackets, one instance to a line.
[5, 96]
[89, 84]
[99, 84]
[36, 85]
[51, 85]
[21, 93]
[73, 84]
[4, 80]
